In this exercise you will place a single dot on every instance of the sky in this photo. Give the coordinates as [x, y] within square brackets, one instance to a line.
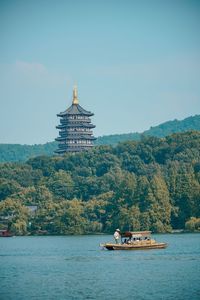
[136, 64]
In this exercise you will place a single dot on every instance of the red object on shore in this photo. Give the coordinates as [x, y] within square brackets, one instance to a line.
[5, 233]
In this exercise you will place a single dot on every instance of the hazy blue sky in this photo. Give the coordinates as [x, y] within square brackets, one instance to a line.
[136, 64]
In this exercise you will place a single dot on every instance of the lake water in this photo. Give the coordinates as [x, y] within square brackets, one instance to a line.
[75, 267]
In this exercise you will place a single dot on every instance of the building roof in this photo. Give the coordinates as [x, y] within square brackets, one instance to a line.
[75, 137]
[75, 108]
[75, 125]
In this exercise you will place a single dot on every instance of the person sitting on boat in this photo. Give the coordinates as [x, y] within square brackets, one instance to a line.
[117, 236]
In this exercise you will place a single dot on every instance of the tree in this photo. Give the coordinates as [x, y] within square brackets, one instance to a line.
[73, 217]
[61, 184]
[160, 207]
[16, 214]
[8, 187]
[193, 224]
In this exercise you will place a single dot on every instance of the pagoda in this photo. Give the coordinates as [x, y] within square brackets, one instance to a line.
[75, 127]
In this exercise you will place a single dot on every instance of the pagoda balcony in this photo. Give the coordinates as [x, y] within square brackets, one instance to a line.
[80, 125]
[75, 125]
[78, 118]
[76, 140]
[76, 146]
[72, 120]
[77, 134]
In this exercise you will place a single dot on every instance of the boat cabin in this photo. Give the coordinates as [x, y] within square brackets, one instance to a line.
[129, 237]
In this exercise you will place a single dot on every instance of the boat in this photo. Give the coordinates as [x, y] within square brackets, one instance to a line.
[135, 240]
[5, 233]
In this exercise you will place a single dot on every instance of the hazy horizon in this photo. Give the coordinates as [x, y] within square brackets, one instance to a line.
[131, 132]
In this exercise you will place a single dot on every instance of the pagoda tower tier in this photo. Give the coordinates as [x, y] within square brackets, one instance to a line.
[75, 126]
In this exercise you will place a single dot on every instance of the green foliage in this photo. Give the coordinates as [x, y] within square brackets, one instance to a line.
[152, 184]
[15, 152]
[193, 224]
[175, 126]
[114, 139]
[16, 214]
[8, 187]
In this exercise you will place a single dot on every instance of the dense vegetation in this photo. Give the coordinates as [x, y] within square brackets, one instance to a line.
[12, 152]
[17, 152]
[150, 184]
[175, 126]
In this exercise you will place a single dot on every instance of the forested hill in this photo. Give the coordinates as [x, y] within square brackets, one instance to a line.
[162, 130]
[167, 128]
[14, 152]
[153, 184]
[17, 152]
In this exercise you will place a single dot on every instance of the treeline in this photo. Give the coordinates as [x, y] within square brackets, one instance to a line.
[175, 126]
[152, 184]
[14, 152]
[17, 152]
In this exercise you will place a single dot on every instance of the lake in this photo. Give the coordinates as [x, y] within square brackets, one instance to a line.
[75, 267]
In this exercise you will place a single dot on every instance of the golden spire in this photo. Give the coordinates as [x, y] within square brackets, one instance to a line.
[75, 95]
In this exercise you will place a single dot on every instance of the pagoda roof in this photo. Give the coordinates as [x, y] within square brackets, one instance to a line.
[81, 125]
[75, 109]
[73, 148]
[78, 137]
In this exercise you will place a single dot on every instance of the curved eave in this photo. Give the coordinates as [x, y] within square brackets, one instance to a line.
[92, 138]
[59, 151]
[86, 125]
[73, 149]
[75, 109]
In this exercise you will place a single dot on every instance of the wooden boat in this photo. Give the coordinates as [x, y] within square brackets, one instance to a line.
[137, 240]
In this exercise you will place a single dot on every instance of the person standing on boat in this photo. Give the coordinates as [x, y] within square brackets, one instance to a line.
[117, 236]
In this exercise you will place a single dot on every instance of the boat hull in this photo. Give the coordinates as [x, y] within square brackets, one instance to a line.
[110, 246]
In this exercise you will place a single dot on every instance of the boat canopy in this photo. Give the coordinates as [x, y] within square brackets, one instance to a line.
[135, 234]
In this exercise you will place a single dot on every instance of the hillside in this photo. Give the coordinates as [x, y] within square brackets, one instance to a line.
[167, 128]
[17, 152]
[14, 152]
[153, 184]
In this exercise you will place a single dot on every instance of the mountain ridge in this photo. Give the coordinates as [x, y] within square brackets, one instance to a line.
[18, 152]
